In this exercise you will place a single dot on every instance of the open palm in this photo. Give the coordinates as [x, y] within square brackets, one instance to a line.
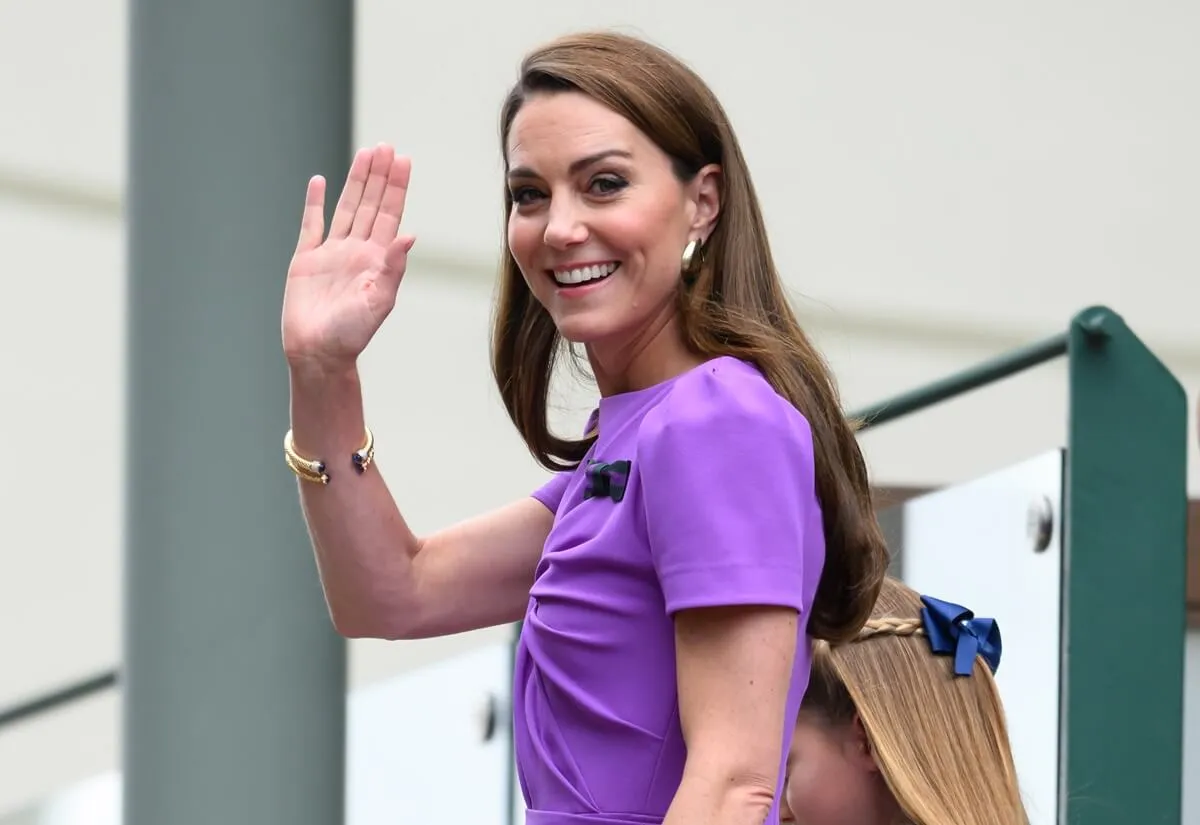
[341, 286]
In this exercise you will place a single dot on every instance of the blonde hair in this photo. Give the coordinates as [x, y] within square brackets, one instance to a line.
[940, 741]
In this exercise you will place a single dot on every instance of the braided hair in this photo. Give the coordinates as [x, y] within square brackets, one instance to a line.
[890, 627]
[941, 742]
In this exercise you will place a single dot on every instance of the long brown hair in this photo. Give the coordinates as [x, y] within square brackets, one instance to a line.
[940, 741]
[736, 306]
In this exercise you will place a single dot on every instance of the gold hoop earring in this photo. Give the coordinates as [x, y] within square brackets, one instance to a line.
[692, 258]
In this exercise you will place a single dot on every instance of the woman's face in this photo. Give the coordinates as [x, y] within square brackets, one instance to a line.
[599, 219]
[832, 778]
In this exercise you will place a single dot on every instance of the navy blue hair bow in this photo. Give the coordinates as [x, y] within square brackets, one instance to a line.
[954, 631]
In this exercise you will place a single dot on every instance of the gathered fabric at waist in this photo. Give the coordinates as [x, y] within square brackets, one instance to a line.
[561, 818]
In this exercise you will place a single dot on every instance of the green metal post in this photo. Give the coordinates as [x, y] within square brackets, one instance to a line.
[234, 681]
[1124, 565]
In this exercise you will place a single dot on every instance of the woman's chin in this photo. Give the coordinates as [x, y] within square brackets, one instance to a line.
[580, 329]
[574, 336]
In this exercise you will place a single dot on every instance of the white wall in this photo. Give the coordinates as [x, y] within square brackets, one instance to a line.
[944, 181]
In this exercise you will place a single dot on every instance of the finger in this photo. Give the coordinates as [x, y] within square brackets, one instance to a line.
[377, 178]
[391, 209]
[352, 191]
[312, 222]
[396, 257]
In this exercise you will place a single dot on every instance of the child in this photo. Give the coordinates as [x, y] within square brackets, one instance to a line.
[904, 724]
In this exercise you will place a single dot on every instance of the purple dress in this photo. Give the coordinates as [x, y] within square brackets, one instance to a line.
[716, 506]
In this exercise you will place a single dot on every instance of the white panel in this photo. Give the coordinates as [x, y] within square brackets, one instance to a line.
[971, 545]
[417, 753]
[96, 801]
[43, 757]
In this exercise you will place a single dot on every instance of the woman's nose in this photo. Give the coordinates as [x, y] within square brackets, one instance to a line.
[564, 227]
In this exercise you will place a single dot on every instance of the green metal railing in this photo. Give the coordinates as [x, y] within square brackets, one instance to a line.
[972, 379]
[65, 695]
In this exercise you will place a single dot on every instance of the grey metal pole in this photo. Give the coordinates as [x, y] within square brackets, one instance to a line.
[234, 681]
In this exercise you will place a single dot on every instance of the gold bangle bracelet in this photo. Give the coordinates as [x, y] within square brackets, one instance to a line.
[315, 470]
[362, 458]
[303, 472]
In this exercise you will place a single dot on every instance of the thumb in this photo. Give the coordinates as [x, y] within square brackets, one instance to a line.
[396, 256]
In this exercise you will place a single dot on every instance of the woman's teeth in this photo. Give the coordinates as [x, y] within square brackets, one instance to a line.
[581, 275]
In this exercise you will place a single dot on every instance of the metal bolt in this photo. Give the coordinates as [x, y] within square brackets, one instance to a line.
[489, 717]
[1039, 524]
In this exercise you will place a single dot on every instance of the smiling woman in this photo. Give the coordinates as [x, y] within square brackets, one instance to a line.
[598, 218]
[714, 517]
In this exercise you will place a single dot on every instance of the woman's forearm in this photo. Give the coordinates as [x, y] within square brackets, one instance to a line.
[363, 546]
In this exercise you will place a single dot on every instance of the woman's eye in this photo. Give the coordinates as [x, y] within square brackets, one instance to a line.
[607, 185]
[525, 195]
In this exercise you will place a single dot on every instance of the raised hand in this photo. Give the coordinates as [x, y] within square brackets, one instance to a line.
[342, 286]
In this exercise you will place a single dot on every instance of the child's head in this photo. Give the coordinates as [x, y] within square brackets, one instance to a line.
[888, 733]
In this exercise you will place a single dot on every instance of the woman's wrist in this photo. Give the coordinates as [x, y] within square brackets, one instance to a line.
[326, 407]
[318, 372]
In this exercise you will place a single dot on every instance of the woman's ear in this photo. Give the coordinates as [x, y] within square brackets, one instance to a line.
[863, 750]
[706, 197]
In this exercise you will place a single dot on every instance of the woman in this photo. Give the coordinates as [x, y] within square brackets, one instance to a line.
[904, 724]
[716, 512]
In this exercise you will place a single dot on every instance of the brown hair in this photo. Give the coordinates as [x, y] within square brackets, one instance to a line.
[940, 740]
[736, 306]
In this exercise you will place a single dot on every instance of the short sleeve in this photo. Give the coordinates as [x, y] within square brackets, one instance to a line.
[551, 493]
[727, 478]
